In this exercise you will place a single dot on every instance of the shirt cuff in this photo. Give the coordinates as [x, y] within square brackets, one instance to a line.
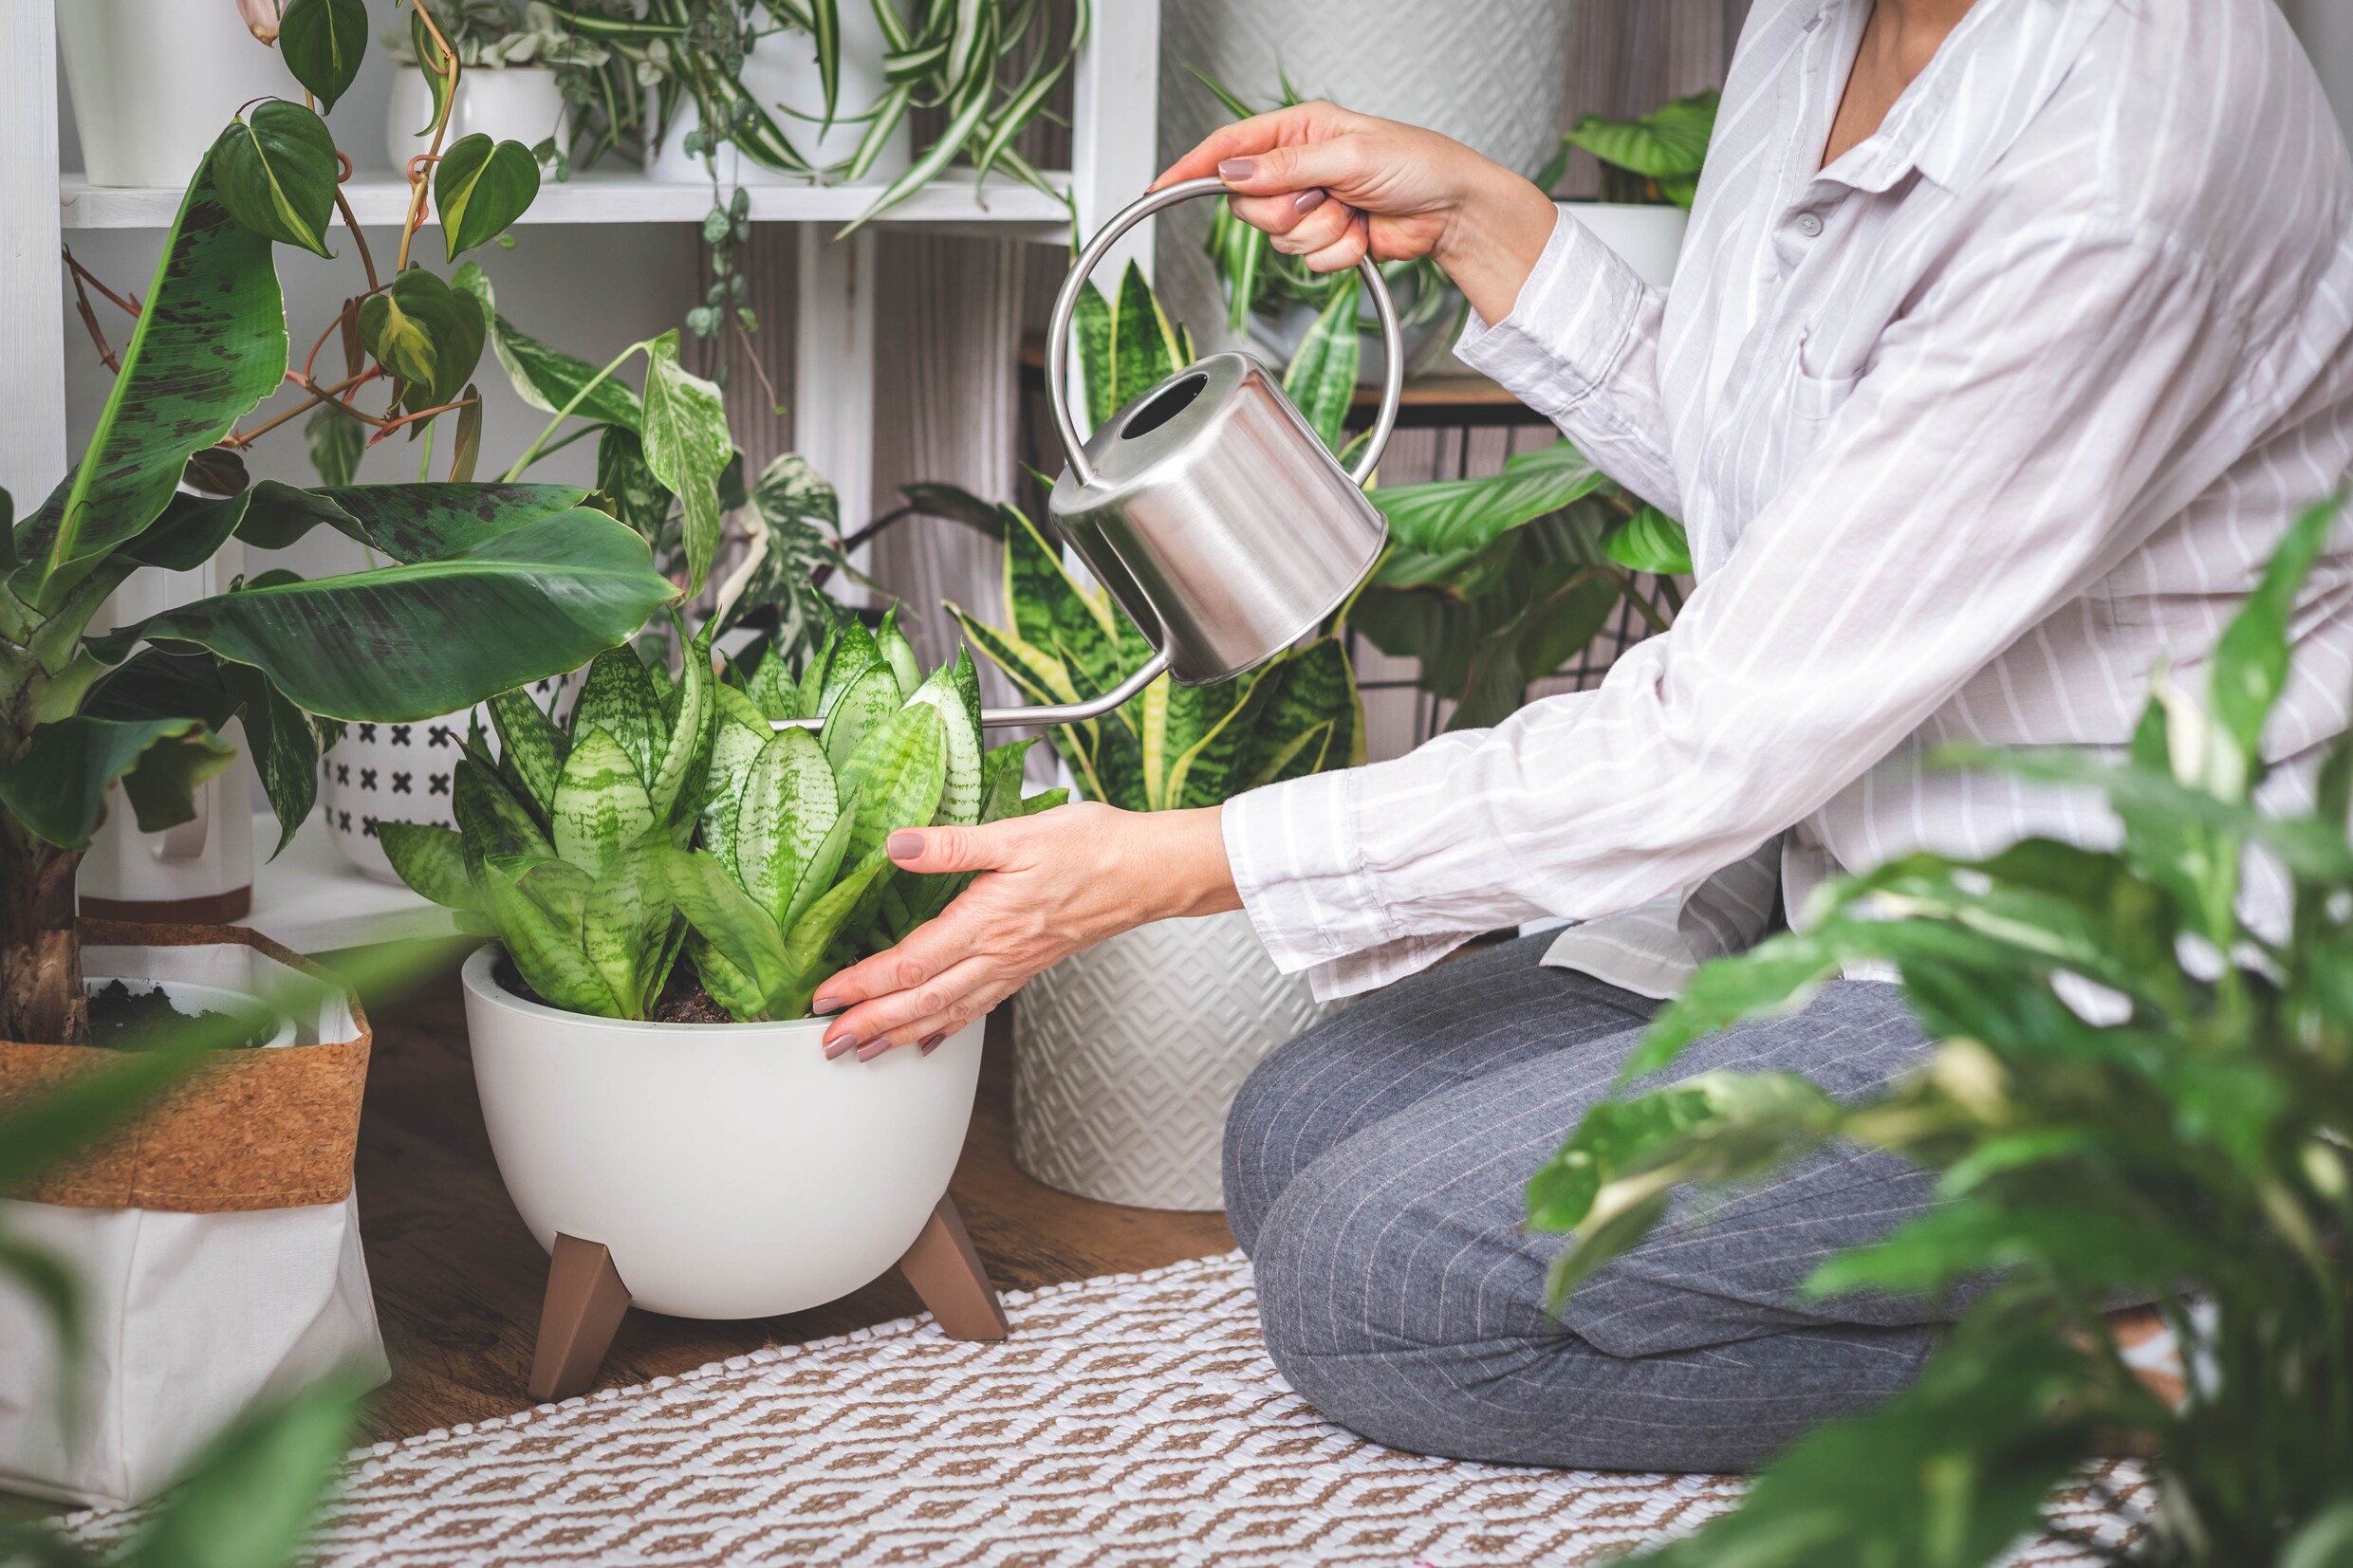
[1569, 327]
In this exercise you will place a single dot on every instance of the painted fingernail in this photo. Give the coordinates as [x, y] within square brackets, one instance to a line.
[826, 1004]
[867, 1053]
[840, 1043]
[906, 846]
[1308, 201]
[1237, 168]
[931, 1043]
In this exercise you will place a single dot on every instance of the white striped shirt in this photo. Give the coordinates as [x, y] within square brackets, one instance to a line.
[1971, 431]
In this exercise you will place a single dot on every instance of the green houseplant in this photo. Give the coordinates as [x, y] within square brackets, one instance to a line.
[1654, 160]
[2186, 1142]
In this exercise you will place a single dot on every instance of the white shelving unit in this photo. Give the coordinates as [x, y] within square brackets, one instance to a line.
[308, 897]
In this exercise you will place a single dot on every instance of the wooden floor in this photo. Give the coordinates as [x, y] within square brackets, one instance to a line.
[457, 1278]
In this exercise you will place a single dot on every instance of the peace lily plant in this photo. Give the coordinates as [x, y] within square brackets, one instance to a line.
[489, 585]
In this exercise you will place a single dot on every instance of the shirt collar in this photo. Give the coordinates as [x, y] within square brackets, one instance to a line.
[1985, 85]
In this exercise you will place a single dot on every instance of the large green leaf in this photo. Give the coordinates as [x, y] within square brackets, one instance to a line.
[57, 787]
[480, 187]
[547, 377]
[618, 697]
[2249, 666]
[736, 928]
[897, 772]
[1145, 348]
[409, 523]
[207, 347]
[625, 480]
[790, 804]
[1453, 514]
[798, 518]
[425, 333]
[1321, 379]
[417, 641]
[1650, 540]
[324, 42]
[276, 171]
[1670, 145]
[688, 445]
[431, 861]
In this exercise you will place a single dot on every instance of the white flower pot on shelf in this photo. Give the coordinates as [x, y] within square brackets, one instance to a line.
[218, 1246]
[505, 102]
[153, 82]
[403, 773]
[1649, 238]
[781, 74]
[1128, 1056]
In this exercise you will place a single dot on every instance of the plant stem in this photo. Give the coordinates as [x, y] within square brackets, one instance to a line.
[357, 238]
[421, 168]
[41, 1000]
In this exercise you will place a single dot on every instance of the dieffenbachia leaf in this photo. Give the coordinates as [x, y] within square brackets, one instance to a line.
[688, 445]
[324, 42]
[209, 346]
[57, 786]
[480, 187]
[276, 172]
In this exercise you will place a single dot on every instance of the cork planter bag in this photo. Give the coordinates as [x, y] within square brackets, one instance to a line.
[217, 1237]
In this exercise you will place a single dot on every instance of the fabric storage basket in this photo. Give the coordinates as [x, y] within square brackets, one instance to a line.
[217, 1238]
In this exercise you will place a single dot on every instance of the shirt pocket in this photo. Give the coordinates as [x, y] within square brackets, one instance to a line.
[1819, 387]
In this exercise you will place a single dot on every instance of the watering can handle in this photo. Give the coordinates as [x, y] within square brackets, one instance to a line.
[1066, 305]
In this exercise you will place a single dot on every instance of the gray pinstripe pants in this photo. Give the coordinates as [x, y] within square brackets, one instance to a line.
[1375, 1170]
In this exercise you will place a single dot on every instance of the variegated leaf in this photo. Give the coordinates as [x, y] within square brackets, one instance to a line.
[790, 805]
[733, 928]
[686, 749]
[900, 771]
[530, 742]
[625, 922]
[601, 807]
[869, 700]
[431, 861]
[959, 800]
[618, 697]
[550, 962]
[815, 932]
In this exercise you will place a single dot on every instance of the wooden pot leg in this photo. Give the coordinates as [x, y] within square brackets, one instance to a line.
[586, 1300]
[947, 1273]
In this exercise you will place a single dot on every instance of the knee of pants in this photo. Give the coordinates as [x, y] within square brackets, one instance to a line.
[1255, 1170]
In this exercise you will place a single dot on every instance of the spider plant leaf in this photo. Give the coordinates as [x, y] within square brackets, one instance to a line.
[959, 130]
[729, 925]
[959, 800]
[431, 861]
[549, 960]
[790, 803]
[870, 700]
[1321, 380]
[826, 29]
[529, 740]
[618, 697]
[899, 772]
[885, 120]
[601, 806]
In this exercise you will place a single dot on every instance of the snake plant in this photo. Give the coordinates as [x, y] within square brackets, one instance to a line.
[561, 841]
[791, 881]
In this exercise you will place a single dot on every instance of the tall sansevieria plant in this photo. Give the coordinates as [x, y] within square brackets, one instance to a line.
[2137, 1097]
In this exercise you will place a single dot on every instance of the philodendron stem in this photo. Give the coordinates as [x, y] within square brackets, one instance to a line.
[538, 448]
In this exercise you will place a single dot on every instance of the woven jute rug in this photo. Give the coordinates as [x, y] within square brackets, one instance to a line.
[1131, 1420]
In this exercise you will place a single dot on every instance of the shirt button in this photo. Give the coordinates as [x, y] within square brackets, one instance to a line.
[1809, 224]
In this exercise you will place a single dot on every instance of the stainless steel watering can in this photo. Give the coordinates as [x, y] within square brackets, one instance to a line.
[1213, 514]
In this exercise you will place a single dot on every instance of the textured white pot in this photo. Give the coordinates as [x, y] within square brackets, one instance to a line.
[507, 104]
[731, 1170]
[402, 773]
[153, 82]
[1128, 1056]
[781, 73]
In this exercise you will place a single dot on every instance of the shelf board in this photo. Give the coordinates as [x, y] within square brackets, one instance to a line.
[311, 900]
[1006, 208]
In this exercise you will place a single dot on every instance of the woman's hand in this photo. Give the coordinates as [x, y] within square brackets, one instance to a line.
[1049, 885]
[1329, 185]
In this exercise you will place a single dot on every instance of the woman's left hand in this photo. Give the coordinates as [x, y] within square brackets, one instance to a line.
[1048, 886]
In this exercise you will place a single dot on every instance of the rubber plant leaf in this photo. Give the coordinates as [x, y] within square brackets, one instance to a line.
[790, 805]
[687, 446]
[601, 806]
[417, 641]
[324, 42]
[431, 861]
[276, 171]
[57, 786]
[480, 187]
[209, 346]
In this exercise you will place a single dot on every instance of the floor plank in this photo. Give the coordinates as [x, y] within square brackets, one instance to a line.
[458, 1279]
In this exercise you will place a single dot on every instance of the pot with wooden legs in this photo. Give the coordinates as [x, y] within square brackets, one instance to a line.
[719, 1169]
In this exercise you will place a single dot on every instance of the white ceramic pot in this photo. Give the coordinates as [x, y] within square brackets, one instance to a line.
[1649, 238]
[781, 73]
[731, 1170]
[505, 102]
[1128, 1056]
[154, 80]
[403, 773]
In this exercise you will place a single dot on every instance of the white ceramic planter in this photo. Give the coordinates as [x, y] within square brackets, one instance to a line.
[154, 80]
[402, 773]
[1128, 1056]
[507, 104]
[731, 1170]
[1649, 238]
[781, 73]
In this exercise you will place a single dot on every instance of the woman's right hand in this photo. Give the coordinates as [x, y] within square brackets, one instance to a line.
[1329, 185]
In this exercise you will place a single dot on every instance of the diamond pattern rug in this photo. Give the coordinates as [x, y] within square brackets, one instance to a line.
[1131, 1420]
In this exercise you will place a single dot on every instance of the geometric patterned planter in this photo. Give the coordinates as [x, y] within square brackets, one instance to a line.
[1127, 1057]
